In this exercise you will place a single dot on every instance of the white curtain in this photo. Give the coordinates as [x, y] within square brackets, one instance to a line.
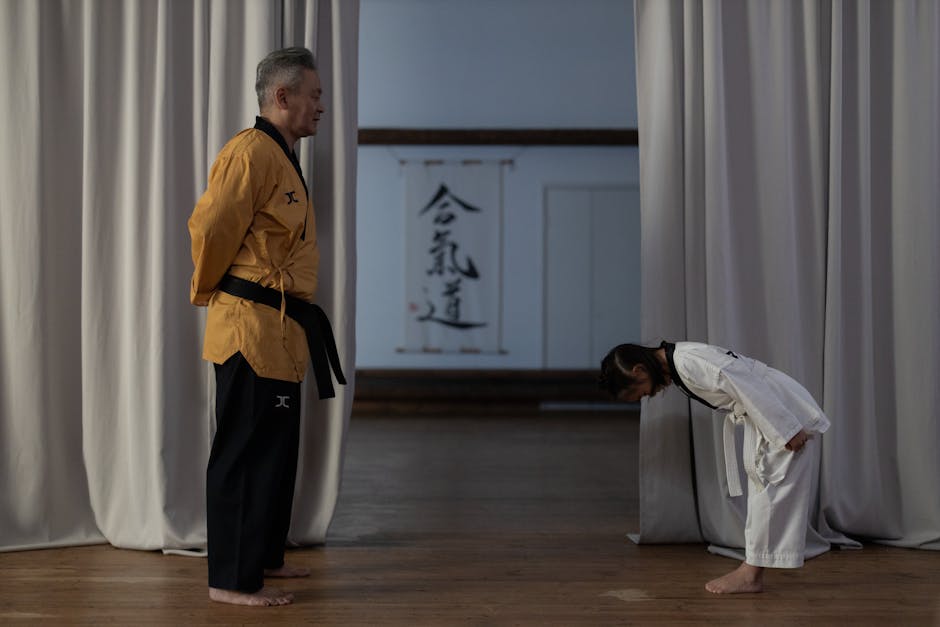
[789, 157]
[112, 113]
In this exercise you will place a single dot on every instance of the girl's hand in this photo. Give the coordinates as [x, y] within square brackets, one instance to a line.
[797, 441]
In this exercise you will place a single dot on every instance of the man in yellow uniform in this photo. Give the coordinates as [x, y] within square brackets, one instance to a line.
[254, 247]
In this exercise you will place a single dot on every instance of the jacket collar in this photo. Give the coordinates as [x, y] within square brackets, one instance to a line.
[674, 374]
[269, 129]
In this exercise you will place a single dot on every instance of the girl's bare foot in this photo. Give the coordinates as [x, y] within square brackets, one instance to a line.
[264, 597]
[745, 578]
[286, 571]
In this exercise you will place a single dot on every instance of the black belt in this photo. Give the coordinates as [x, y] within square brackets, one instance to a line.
[311, 317]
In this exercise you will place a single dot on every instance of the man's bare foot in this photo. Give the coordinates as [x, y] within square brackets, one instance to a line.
[745, 578]
[286, 571]
[264, 597]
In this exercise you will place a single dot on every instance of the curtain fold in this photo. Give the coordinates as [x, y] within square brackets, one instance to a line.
[332, 158]
[44, 499]
[666, 247]
[114, 113]
[883, 333]
[788, 156]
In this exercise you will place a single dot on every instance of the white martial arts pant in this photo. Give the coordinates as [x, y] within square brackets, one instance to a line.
[781, 486]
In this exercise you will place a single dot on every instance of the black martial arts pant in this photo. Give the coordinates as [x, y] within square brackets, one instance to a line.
[250, 478]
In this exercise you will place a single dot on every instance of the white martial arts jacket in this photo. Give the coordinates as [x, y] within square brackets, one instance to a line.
[748, 391]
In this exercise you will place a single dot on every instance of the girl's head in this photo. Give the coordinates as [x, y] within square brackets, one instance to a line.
[630, 371]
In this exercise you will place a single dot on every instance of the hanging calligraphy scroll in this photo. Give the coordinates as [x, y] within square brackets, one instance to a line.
[452, 272]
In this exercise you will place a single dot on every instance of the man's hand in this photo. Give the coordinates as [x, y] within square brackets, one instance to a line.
[797, 441]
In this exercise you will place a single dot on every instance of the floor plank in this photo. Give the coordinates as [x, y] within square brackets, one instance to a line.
[481, 521]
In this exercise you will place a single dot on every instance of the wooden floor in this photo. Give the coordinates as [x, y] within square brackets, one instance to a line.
[481, 521]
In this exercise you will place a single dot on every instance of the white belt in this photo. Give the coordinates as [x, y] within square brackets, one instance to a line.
[750, 443]
[731, 457]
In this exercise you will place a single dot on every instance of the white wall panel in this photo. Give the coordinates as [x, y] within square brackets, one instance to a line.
[568, 269]
[592, 273]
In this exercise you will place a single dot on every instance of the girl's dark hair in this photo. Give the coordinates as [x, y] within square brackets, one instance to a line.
[616, 366]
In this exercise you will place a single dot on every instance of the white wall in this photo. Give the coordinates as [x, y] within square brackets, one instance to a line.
[486, 63]
[589, 295]
[499, 63]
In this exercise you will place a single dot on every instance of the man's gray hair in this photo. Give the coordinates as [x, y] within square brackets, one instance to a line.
[281, 68]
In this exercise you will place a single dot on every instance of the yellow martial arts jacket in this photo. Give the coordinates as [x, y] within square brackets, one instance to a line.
[255, 221]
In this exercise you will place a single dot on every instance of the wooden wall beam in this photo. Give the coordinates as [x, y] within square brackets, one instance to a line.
[499, 137]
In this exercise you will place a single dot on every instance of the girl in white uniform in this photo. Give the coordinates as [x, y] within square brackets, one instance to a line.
[781, 456]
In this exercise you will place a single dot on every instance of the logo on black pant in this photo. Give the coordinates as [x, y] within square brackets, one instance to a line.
[282, 401]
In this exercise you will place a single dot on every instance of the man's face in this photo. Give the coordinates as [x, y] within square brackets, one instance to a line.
[303, 105]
